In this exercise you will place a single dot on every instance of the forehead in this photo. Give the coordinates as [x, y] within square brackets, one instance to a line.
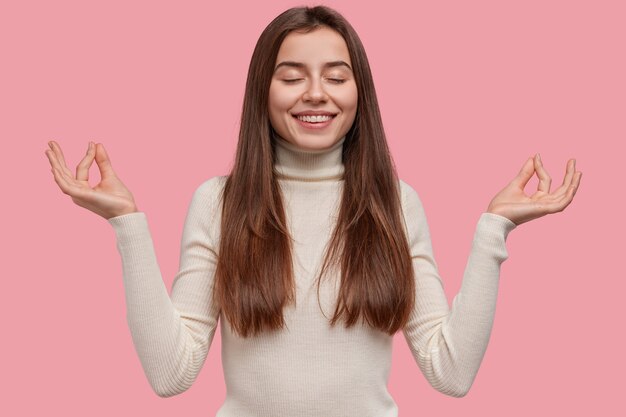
[314, 48]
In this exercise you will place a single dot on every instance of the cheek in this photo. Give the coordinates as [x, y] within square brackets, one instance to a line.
[278, 104]
[348, 100]
[280, 98]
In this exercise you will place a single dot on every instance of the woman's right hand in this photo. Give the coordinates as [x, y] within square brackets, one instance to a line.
[109, 198]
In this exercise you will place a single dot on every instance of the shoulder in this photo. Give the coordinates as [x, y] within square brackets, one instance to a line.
[418, 232]
[204, 212]
[210, 189]
[211, 185]
[208, 194]
[409, 197]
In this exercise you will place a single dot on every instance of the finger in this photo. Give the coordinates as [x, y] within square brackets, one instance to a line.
[58, 153]
[70, 186]
[525, 174]
[570, 193]
[544, 178]
[82, 170]
[54, 161]
[103, 161]
[577, 177]
[51, 159]
[61, 180]
[567, 180]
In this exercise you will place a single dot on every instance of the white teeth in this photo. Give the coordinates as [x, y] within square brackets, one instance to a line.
[314, 119]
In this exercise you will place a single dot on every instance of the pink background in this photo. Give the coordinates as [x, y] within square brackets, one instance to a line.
[468, 91]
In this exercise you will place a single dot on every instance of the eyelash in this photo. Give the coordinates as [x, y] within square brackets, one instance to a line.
[337, 80]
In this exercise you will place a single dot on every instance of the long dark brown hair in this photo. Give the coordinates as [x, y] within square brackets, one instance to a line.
[254, 277]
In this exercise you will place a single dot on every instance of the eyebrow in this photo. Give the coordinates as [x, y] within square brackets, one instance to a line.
[301, 65]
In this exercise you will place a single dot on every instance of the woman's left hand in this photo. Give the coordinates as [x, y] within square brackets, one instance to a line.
[513, 204]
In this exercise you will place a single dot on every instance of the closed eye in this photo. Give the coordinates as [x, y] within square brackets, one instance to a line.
[335, 80]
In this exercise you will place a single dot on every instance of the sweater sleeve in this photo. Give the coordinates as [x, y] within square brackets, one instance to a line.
[171, 336]
[449, 344]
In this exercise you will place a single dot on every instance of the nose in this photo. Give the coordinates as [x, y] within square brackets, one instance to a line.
[315, 92]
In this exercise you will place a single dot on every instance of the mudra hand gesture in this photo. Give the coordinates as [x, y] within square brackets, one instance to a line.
[108, 199]
[513, 204]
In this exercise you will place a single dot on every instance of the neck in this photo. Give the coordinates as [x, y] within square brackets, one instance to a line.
[296, 163]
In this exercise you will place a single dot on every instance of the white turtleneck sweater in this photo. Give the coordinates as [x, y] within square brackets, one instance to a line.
[309, 368]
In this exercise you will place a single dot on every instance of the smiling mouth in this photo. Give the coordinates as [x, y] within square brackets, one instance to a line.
[315, 119]
[314, 122]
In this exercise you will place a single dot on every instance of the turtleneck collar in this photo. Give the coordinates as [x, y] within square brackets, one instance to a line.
[295, 163]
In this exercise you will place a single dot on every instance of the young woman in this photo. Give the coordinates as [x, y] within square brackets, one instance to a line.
[311, 253]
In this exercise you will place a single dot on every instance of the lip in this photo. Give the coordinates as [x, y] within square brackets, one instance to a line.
[314, 113]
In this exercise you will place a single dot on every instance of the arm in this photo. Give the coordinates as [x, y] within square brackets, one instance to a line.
[449, 344]
[171, 336]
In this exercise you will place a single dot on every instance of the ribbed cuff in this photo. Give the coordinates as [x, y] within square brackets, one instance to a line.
[130, 226]
[491, 233]
[496, 223]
